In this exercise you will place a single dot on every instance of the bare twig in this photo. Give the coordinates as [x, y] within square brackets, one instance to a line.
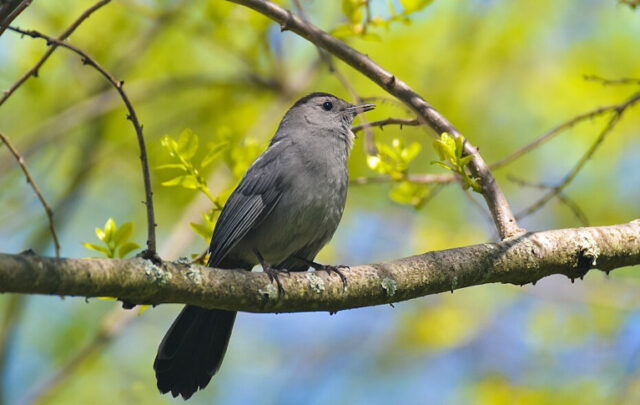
[568, 202]
[617, 115]
[607, 82]
[9, 10]
[552, 133]
[498, 205]
[481, 209]
[411, 178]
[389, 121]
[34, 70]
[132, 116]
[34, 186]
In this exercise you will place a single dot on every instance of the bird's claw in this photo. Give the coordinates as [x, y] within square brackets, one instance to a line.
[336, 269]
[274, 274]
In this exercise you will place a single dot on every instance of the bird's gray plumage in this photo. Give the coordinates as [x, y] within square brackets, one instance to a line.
[285, 209]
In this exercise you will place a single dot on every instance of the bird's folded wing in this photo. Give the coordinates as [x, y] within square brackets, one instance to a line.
[255, 197]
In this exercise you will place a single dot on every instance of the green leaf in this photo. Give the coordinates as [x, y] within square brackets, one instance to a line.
[171, 166]
[187, 144]
[97, 248]
[214, 151]
[109, 230]
[373, 162]
[343, 31]
[465, 160]
[123, 233]
[459, 147]
[187, 181]
[402, 193]
[202, 230]
[352, 9]
[126, 248]
[410, 152]
[446, 166]
[100, 234]
[142, 308]
[411, 6]
[168, 143]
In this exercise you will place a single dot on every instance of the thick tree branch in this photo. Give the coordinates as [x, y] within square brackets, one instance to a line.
[498, 205]
[520, 260]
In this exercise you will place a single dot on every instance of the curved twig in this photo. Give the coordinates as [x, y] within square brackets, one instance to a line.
[34, 70]
[498, 205]
[618, 112]
[132, 116]
[34, 186]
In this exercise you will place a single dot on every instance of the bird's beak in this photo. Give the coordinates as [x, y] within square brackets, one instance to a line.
[359, 109]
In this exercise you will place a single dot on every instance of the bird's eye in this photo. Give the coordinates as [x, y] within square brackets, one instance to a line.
[327, 105]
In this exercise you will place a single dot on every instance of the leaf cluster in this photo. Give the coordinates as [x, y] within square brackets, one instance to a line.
[451, 153]
[359, 18]
[394, 161]
[115, 240]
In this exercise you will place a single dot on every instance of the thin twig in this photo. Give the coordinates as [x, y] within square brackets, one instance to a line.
[65, 34]
[389, 121]
[564, 199]
[483, 211]
[34, 186]
[132, 116]
[583, 160]
[552, 133]
[411, 178]
[607, 82]
[493, 195]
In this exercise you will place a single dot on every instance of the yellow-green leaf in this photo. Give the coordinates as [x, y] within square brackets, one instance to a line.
[127, 248]
[187, 144]
[123, 233]
[186, 181]
[97, 248]
[109, 230]
[100, 234]
[202, 230]
[352, 9]
[411, 6]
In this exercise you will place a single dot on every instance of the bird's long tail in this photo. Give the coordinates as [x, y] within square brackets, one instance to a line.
[192, 350]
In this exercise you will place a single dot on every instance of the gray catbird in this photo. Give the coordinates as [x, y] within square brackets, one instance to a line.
[285, 209]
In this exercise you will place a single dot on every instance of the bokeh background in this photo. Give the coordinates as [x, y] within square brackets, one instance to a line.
[502, 71]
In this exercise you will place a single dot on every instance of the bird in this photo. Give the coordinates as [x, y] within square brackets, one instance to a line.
[284, 210]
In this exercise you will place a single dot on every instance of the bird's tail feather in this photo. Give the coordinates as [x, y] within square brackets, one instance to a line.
[192, 350]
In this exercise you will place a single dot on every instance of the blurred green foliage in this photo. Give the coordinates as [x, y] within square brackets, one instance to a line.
[503, 72]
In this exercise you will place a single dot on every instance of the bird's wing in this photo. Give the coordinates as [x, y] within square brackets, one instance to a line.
[255, 197]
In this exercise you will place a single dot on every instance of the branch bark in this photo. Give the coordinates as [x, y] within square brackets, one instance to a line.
[498, 204]
[520, 260]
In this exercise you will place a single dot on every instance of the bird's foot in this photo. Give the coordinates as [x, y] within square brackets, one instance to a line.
[335, 269]
[274, 274]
